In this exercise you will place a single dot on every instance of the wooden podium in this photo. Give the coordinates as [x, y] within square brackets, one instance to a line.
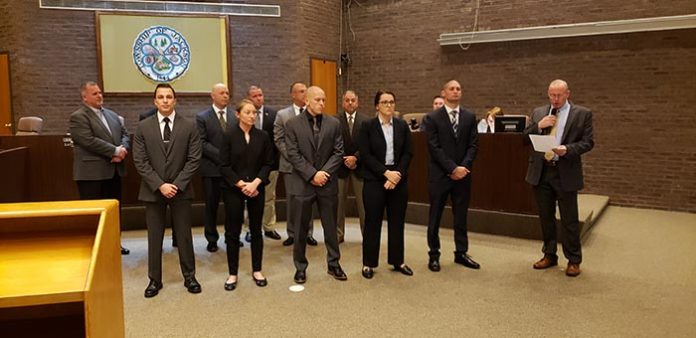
[60, 269]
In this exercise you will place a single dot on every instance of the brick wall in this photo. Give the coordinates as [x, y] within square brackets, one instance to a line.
[640, 86]
[54, 51]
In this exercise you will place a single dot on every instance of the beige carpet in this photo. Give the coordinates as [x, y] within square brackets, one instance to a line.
[639, 280]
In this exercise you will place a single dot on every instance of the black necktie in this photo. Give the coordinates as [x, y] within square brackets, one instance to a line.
[315, 129]
[167, 131]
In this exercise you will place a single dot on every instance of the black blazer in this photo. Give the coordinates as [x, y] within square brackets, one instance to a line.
[242, 161]
[269, 116]
[350, 143]
[212, 136]
[373, 149]
[447, 151]
[577, 137]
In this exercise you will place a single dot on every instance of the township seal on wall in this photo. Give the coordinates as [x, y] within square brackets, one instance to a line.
[161, 53]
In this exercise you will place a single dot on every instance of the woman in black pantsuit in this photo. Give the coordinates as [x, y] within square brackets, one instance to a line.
[246, 158]
[386, 151]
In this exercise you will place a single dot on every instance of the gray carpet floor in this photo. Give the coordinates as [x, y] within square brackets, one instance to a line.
[638, 280]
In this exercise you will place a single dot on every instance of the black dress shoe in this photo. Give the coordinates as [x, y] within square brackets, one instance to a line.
[311, 241]
[466, 260]
[288, 242]
[192, 285]
[403, 269]
[212, 247]
[337, 273]
[230, 286]
[434, 265]
[247, 237]
[272, 234]
[260, 282]
[368, 272]
[152, 289]
[300, 277]
[124, 251]
[241, 244]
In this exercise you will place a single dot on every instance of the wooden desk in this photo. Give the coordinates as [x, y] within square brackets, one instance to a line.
[61, 269]
[497, 176]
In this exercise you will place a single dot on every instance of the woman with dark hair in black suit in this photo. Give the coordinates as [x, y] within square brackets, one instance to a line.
[386, 151]
[246, 157]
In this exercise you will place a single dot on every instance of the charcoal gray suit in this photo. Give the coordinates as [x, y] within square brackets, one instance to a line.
[284, 167]
[559, 180]
[175, 163]
[307, 157]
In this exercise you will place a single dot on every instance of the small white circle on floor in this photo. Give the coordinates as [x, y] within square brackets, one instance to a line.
[296, 288]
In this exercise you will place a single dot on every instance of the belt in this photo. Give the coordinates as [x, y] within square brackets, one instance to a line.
[551, 163]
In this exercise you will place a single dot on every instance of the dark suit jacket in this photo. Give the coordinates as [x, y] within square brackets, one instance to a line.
[269, 117]
[447, 151]
[242, 161]
[350, 143]
[212, 137]
[94, 145]
[577, 137]
[307, 157]
[373, 149]
[176, 164]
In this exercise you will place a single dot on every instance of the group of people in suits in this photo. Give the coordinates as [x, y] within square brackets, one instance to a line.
[240, 155]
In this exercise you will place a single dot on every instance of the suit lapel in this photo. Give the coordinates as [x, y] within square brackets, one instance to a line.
[380, 132]
[398, 138]
[448, 123]
[115, 126]
[96, 120]
[172, 137]
[572, 116]
[322, 130]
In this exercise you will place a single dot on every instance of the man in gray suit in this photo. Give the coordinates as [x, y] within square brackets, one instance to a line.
[101, 144]
[298, 91]
[557, 174]
[314, 145]
[167, 152]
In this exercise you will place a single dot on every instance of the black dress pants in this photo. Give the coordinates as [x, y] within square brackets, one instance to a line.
[376, 200]
[548, 193]
[212, 190]
[234, 217]
[460, 192]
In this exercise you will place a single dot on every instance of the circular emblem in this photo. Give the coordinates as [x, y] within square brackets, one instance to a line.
[161, 53]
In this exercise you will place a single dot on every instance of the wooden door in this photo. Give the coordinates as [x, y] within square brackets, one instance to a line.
[5, 95]
[323, 74]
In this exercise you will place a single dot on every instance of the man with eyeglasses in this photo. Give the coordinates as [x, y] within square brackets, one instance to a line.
[556, 176]
[452, 143]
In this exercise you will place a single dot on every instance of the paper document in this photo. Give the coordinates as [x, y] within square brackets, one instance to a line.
[543, 143]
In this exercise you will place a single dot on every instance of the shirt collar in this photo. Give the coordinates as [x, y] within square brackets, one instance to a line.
[382, 122]
[171, 116]
[449, 110]
[218, 110]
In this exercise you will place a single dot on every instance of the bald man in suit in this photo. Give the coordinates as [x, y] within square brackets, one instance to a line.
[556, 176]
[314, 144]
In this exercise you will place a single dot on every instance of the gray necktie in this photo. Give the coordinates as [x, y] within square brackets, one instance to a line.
[257, 123]
[223, 123]
[453, 120]
[350, 124]
[102, 118]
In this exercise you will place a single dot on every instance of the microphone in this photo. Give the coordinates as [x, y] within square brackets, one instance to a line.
[547, 130]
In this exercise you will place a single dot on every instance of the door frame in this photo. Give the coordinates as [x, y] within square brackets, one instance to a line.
[13, 128]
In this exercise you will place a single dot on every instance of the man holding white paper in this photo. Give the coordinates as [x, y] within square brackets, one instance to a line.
[566, 131]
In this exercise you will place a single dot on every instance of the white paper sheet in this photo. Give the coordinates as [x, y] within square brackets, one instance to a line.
[543, 143]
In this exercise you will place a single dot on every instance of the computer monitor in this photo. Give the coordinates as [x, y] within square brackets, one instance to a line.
[510, 123]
